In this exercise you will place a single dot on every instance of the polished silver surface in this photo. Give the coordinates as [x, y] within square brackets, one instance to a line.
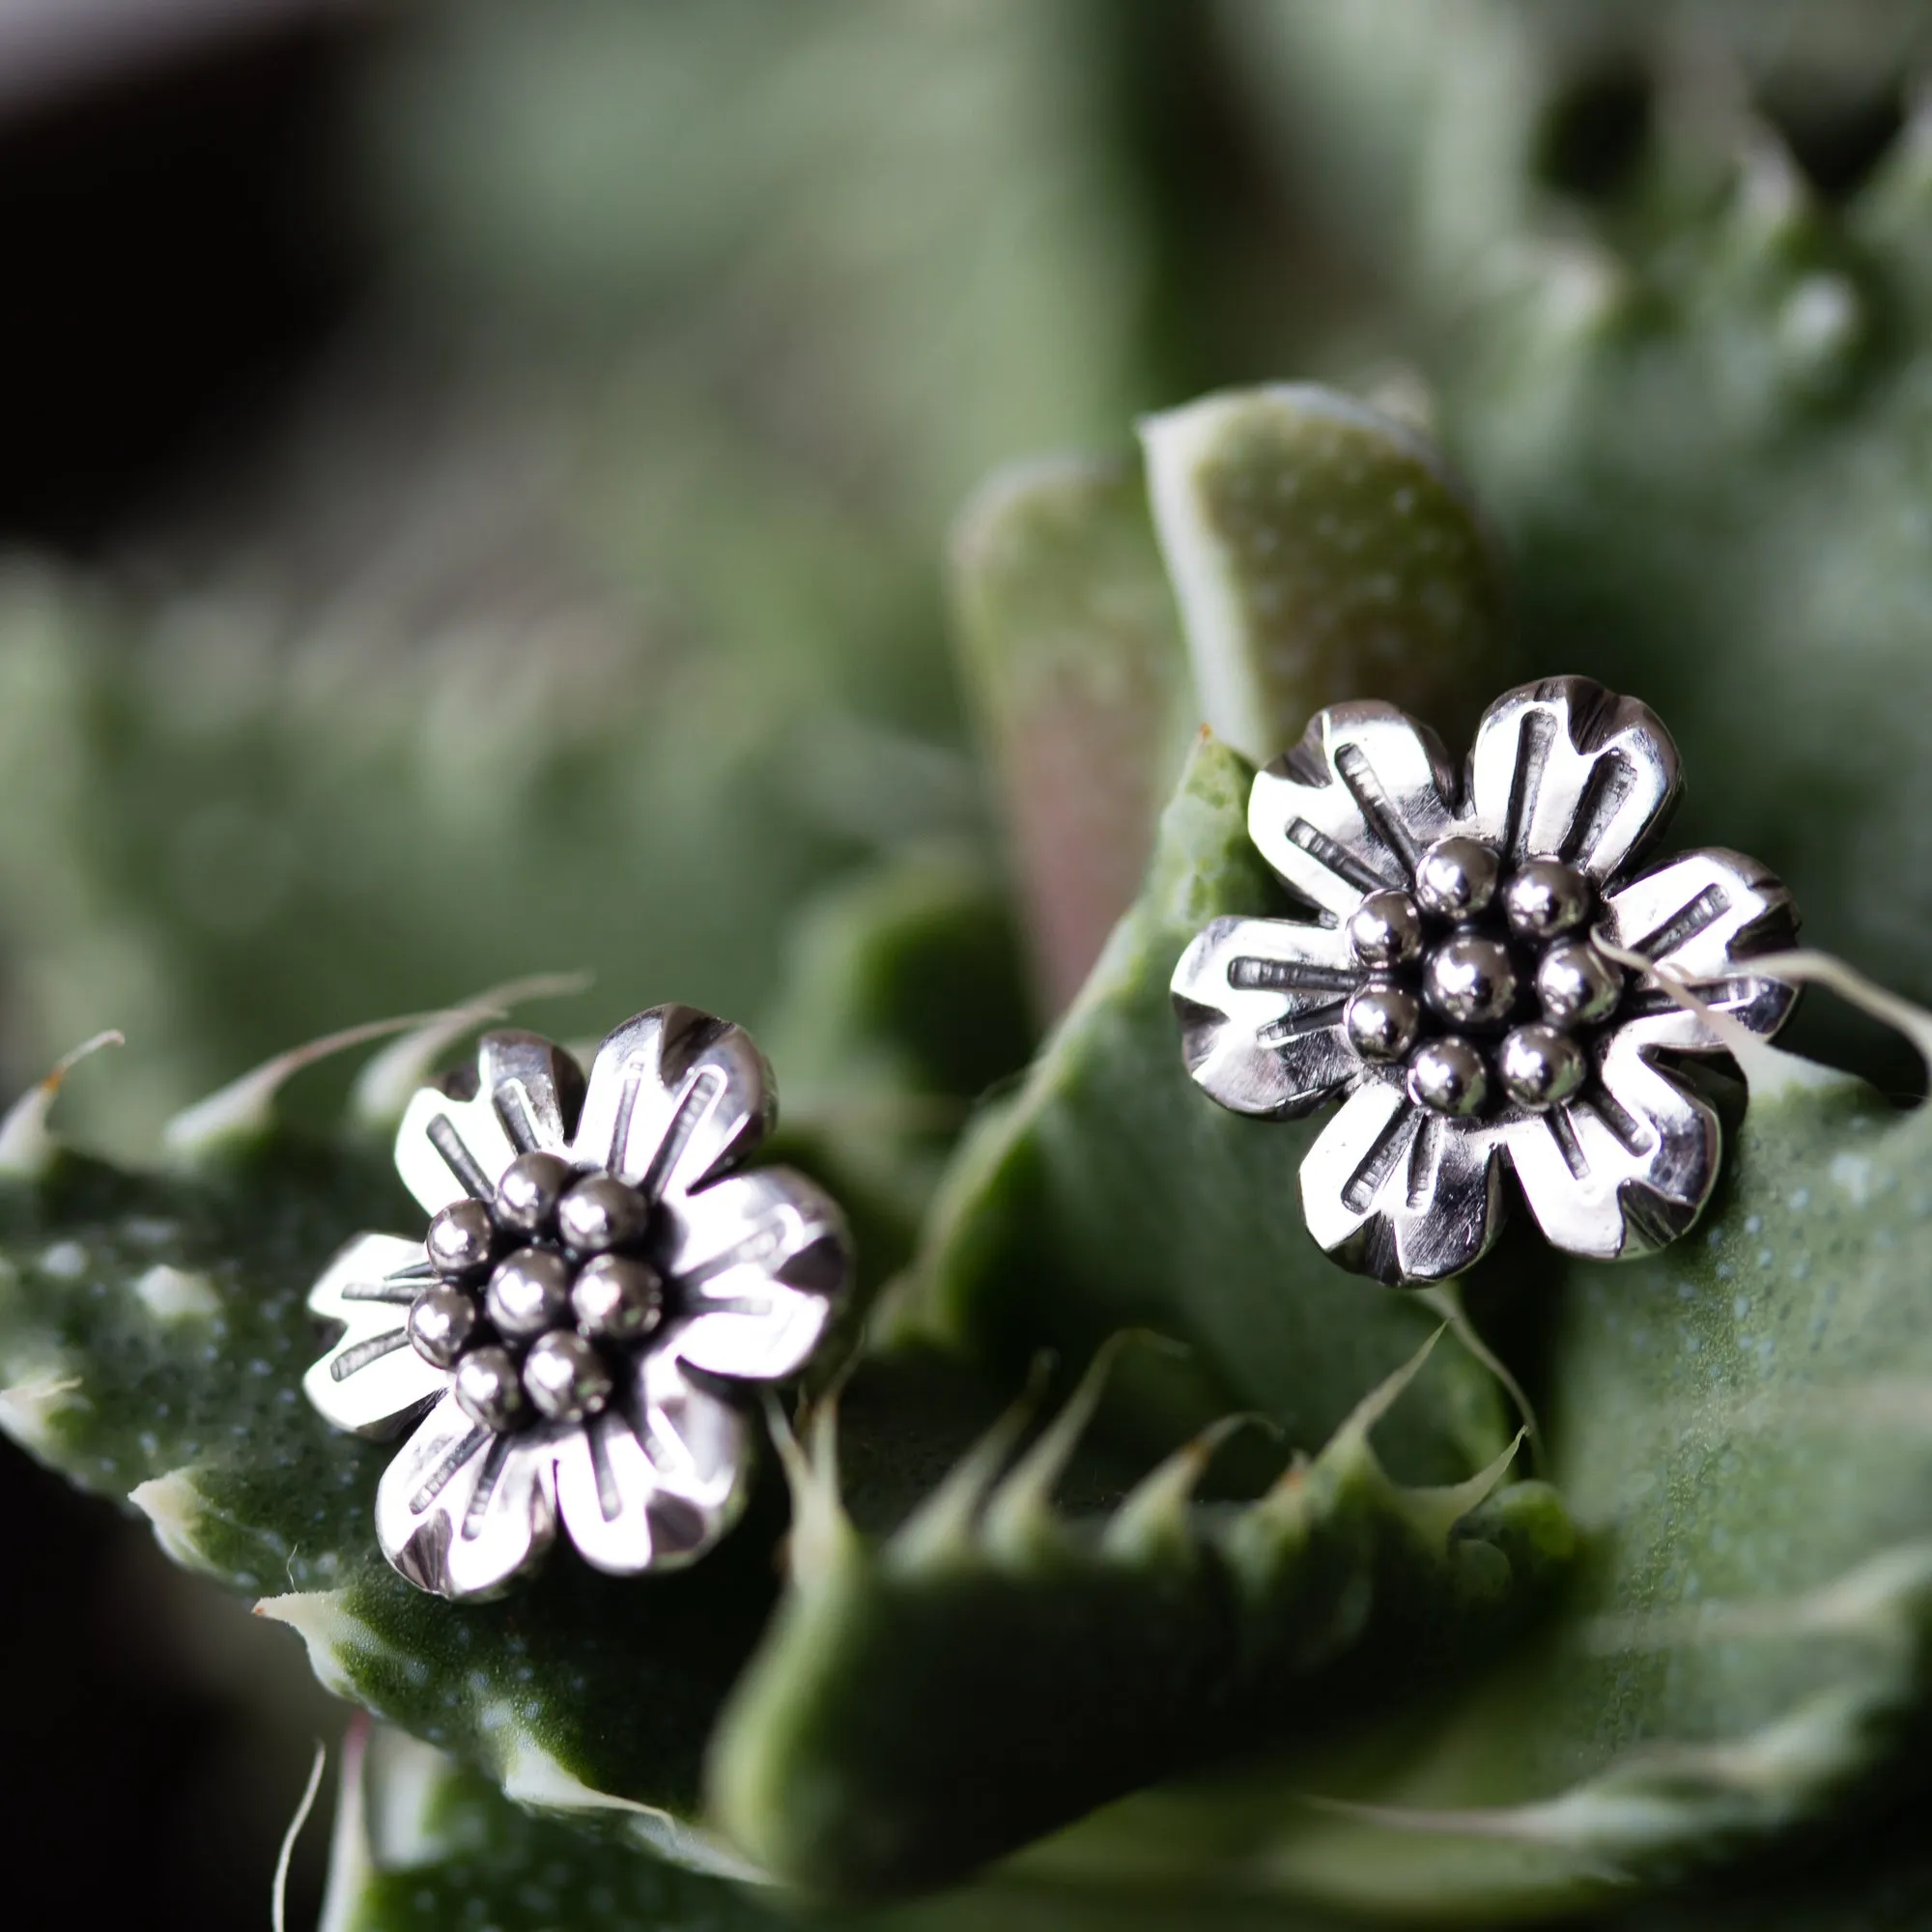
[1469, 981]
[1449, 1075]
[1537, 1056]
[633, 1263]
[565, 1375]
[441, 1322]
[1576, 985]
[1383, 1022]
[528, 1294]
[461, 1241]
[529, 1189]
[1386, 931]
[490, 1387]
[1546, 897]
[1456, 878]
[1542, 1065]
[616, 1298]
[599, 1214]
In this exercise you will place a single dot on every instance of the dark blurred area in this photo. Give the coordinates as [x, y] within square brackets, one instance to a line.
[179, 254]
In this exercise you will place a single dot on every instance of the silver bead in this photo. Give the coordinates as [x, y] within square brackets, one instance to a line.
[489, 1388]
[1545, 898]
[1456, 878]
[1382, 1022]
[1448, 1077]
[1470, 981]
[528, 1293]
[527, 1194]
[599, 1214]
[565, 1376]
[1385, 930]
[1577, 984]
[460, 1240]
[616, 1298]
[1541, 1066]
[442, 1319]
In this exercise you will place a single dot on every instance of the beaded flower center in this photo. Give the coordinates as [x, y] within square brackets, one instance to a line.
[538, 1292]
[1484, 988]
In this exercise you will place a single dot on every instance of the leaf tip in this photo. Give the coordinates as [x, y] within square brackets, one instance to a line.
[384, 1087]
[172, 1504]
[332, 1633]
[30, 1408]
[243, 1112]
[27, 1147]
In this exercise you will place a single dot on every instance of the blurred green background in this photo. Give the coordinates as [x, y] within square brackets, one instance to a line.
[474, 482]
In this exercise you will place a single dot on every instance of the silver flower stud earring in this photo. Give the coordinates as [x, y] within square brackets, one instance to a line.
[595, 1255]
[1479, 973]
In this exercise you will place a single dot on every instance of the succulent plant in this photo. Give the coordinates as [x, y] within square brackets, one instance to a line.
[1147, 1570]
[1021, 1619]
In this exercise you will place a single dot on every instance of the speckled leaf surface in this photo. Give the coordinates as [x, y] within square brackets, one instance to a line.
[423, 1845]
[1108, 1193]
[152, 1337]
[1321, 553]
[997, 1667]
[426, 1846]
[1738, 1425]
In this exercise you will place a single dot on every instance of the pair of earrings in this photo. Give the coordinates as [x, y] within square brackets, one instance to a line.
[1478, 970]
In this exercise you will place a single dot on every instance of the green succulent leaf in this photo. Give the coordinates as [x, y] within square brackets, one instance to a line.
[423, 1844]
[153, 1338]
[1739, 1427]
[1072, 649]
[996, 1667]
[903, 1002]
[220, 837]
[1321, 551]
[1707, 456]
[1108, 1193]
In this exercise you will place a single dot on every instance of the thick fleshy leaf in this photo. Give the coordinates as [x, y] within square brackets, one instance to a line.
[1109, 1192]
[1739, 1426]
[153, 1336]
[1701, 452]
[1072, 649]
[993, 1669]
[422, 1844]
[904, 1000]
[1321, 553]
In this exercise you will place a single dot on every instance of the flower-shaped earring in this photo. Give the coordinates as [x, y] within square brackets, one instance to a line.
[591, 1247]
[1480, 975]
